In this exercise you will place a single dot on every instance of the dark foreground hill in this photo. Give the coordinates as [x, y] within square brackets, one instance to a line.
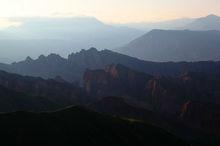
[81, 127]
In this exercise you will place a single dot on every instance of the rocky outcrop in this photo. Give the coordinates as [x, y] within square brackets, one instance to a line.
[115, 80]
[202, 115]
[163, 94]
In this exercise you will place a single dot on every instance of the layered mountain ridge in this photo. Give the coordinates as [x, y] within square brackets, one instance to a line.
[175, 45]
[36, 36]
[73, 68]
[209, 22]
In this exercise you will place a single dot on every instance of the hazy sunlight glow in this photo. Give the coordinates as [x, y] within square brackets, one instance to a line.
[113, 11]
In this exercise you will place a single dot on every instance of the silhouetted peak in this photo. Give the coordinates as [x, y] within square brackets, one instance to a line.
[83, 52]
[41, 57]
[89, 58]
[54, 57]
[211, 16]
[28, 59]
[93, 49]
[212, 19]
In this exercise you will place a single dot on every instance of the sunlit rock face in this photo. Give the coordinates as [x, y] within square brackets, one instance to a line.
[115, 80]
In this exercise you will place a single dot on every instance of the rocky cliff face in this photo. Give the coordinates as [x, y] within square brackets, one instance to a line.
[202, 115]
[116, 80]
[191, 98]
[164, 94]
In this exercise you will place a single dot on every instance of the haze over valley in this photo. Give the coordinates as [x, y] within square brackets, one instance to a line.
[36, 36]
[109, 73]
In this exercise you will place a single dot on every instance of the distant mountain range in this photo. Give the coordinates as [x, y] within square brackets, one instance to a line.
[104, 98]
[177, 40]
[210, 22]
[175, 45]
[168, 24]
[36, 36]
[73, 68]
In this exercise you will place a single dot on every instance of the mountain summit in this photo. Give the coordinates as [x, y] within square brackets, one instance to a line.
[210, 22]
[175, 45]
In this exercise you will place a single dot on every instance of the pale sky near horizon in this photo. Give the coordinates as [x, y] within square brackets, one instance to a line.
[111, 11]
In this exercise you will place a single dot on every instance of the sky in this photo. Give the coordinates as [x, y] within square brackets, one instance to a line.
[110, 11]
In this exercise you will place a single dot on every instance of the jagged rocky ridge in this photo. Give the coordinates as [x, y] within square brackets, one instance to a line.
[73, 68]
